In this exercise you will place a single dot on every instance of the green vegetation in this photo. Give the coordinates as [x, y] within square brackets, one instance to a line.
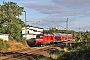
[78, 53]
[11, 45]
[23, 40]
[10, 23]
[3, 45]
[81, 51]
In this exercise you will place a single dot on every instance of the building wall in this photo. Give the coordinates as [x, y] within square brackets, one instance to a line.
[31, 32]
[4, 37]
[29, 36]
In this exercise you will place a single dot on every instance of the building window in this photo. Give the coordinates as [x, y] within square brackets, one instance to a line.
[28, 32]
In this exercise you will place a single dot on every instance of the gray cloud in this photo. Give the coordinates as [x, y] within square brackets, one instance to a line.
[65, 7]
[73, 3]
[59, 10]
[46, 8]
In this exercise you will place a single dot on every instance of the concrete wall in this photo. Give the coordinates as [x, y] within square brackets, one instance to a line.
[4, 37]
[29, 36]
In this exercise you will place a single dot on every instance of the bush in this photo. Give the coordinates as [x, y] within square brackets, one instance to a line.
[23, 40]
[4, 45]
[46, 58]
[1, 44]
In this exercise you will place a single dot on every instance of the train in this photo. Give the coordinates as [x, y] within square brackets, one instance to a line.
[42, 39]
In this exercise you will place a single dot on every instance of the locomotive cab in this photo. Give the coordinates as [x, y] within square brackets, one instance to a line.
[39, 39]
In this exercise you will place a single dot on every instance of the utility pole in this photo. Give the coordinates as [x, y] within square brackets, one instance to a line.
[3, 1]
[66, 24]
[79, 29]
[80, 32]
[25, 26]
[66, 32]
[83, 29]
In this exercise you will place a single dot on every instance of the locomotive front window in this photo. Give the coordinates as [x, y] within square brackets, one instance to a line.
[39, 36]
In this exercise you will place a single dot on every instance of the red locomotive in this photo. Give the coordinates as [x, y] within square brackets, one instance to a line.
[48, 38]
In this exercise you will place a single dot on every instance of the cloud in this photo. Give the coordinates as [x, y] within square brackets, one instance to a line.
[73, 3]
[46, 8]
[59, 10]
[65, 7]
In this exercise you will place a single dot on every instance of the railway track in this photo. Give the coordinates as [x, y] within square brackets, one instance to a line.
[34, 53]
[26, 54]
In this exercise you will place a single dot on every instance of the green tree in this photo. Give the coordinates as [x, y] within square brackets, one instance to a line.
[9, 21]
[87, 36]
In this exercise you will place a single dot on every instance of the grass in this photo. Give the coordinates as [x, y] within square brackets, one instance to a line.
[79, 52]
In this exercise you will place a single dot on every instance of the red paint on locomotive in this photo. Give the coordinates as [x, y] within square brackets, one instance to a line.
[47, 38]
[69, 36]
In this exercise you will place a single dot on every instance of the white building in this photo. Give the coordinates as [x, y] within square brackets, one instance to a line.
[4, 37]
[31, 32]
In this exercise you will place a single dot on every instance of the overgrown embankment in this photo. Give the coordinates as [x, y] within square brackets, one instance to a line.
[80, 51]
[11, 45]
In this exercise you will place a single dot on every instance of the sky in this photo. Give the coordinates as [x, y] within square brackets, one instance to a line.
[54, 13]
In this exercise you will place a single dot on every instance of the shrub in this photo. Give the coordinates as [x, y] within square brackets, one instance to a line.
[1, 44]
[23, 40]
